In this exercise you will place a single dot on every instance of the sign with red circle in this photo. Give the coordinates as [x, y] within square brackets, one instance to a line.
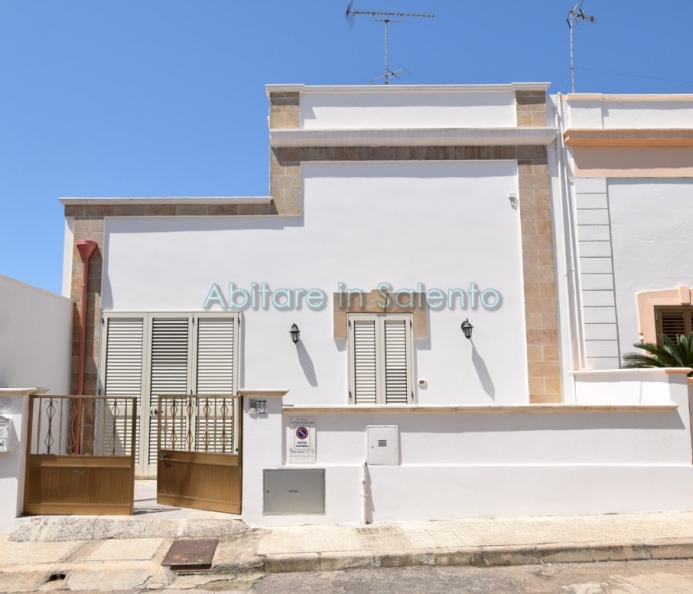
[302, 432]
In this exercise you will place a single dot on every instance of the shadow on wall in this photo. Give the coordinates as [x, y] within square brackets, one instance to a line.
[482, 372]
[307, 364]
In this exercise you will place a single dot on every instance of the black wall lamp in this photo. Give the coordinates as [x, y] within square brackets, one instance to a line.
[467, 328]
[295, 333]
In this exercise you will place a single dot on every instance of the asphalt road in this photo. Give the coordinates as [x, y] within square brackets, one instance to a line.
[636, 577]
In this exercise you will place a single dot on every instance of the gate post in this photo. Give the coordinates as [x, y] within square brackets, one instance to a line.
[14, 407]
[263, 439]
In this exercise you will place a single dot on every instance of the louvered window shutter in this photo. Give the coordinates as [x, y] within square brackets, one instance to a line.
[672, 323]
[169, 376]
[365, 361]
[215, 375]
[123, 377]
[396, 360]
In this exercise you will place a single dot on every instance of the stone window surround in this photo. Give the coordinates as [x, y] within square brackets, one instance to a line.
[351, 304]
[649, 300]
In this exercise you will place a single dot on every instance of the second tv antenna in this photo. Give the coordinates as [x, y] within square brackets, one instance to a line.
[575, 15]
[386, 18]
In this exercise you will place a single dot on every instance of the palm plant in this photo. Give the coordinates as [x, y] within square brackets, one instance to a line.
[669, 354]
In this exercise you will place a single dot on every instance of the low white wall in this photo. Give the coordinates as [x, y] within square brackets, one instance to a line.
[35, 337]
[489, 461]
[624, 386]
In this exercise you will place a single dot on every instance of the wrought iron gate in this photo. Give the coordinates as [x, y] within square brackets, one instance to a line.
[80, 455]
[199, 457]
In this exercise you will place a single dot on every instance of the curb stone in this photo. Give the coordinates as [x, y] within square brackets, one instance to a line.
[496, 556]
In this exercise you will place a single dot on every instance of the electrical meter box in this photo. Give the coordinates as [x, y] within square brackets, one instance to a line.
[294, 491]
[5, 426]
[383, 446]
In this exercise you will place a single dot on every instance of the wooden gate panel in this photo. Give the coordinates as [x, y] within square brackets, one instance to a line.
[79, 485]
[199, 457]
[81, 456]
[199, 480]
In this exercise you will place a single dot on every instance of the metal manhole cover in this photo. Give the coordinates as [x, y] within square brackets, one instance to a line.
[191, 555]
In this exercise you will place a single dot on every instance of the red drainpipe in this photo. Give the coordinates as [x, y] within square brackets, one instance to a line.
[86, 248]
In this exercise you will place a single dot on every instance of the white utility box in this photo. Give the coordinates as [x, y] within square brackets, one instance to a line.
[383, 446]
[5, 434]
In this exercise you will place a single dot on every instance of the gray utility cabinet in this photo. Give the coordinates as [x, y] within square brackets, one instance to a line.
[290, 491]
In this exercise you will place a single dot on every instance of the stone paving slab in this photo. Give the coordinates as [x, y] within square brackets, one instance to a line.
[73, 528]
[134, 549]
[133, 561]
[28, 553]
[476, 533]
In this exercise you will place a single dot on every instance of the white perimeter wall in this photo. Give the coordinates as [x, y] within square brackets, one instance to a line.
[493, 463]
[407, 109]
[652, 243]
[443, 224]
[35, 338]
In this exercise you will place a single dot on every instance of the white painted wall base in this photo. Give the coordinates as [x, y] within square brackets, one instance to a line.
[618, 454]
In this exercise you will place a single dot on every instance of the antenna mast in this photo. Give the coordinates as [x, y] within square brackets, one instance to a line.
[386, 18]
[574, 15]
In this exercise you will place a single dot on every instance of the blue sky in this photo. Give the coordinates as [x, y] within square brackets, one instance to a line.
[166, 97]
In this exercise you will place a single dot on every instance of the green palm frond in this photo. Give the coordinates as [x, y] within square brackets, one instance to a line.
[668, 354]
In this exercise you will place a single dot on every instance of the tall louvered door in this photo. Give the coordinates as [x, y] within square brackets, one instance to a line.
[170, 353]
[123, 363]
[203, 469]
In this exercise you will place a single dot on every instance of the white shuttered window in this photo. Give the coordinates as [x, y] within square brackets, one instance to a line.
[380, 353]
[148, 354]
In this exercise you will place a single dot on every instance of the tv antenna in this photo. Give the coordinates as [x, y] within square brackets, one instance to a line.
[576, 13]
[386, 18]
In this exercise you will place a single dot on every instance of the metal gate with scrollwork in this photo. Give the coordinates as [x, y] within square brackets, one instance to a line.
[80, 455]
[199, 458]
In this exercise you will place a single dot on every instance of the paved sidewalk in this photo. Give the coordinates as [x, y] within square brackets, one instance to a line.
[122, 553]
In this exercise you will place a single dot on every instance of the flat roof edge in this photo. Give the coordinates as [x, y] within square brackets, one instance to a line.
[167, 200]
[499, 88]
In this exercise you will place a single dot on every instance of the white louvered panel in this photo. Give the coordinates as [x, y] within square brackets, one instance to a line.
[215, 356]
[396, 362]
[214, 375]
[123, 377]
[169, 372]
[365, 362]
[169, 376]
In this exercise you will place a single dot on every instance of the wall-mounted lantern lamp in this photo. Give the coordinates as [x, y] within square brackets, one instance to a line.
[467, 328]
[295, 333]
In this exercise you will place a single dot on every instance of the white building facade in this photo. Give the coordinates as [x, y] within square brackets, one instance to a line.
[394, 215]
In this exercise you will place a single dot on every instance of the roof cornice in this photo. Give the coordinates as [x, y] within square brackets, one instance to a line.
[644, 137]
[293, 137]
[393, 89]
[170, 200]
